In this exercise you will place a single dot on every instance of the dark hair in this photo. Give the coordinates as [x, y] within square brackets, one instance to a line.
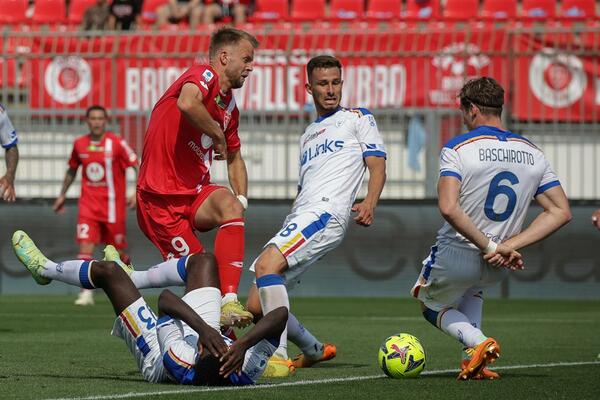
[322, 61]
[227, 36]
[486, 93]
[95, 107]
[206, 371]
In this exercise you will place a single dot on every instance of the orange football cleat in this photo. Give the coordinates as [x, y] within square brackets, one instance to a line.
[484, 354]
[302, 361]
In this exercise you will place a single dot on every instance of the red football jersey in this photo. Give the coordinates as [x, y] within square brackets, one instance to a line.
[103, 176]
[176, 158]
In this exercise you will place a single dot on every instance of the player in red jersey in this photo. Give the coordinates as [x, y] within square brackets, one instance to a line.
[104, 157]
[194, 122]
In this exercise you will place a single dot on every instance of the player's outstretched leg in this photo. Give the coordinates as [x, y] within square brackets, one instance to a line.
[313, 351]
[30, 256]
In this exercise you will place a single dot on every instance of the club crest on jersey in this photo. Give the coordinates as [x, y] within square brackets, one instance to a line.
[329, 146]
[207, 75]
[94, 172]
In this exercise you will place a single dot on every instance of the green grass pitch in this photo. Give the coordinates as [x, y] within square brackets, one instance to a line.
[50, 349]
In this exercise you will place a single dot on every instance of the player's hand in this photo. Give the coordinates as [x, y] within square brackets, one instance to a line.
[233, 360]
[220, 149]
[212, 341]
[7, 189]
[505, 256]
[59, 204]
[596, 218]
[365, 212]
[132, 201]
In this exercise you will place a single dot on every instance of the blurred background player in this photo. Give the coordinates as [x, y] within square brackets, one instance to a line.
[104, 158]
[195, 121]
[184, 344]
[8, 140]
[596, 218]
[488, 177]
[335, 152]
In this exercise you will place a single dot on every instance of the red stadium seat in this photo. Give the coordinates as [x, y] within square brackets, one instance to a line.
[49, 12]
[578, 9]
[499, 9]
[149, 10]
[383, 9]
[308, 10]
[346, 9]
[461, 9]
[270, 10]
[13, 11]
[77, 9]
[422, 9]
[538, 9]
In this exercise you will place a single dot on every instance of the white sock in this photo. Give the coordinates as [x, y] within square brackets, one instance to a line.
[472, 306]
[229, 297]
[255, 361]
[206, 302]
[169, 273]
[457, 325]
[302, 338]
[273, 294]
[73, 272]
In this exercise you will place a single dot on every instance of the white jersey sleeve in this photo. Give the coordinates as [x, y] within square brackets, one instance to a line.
[450, 164]
[549, 179]
[8, 135]
[368, 135]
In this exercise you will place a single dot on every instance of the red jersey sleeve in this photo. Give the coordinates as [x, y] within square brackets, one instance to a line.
[201, 76]
[231, 133]
[130, 159]
[74, 161]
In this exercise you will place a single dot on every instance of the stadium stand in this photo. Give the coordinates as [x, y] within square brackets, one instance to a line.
[270, 11]
[77, 9]
[383, 9]
[499, 9]
[149, 10]
[49, 12]
[307, 10]
[346, 9]
[578, 9]
[461, 9]
[416, 9]
[13, 11]
[538, 9]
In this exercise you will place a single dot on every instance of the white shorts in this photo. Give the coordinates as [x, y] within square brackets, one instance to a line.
[304, 239]
[136, 325]
[449, 272]
[179, 353]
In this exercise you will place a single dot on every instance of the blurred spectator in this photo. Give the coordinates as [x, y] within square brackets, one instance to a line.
[124, 14]
[176, 11]
[217, 9]
[96, 16]
[596, 223]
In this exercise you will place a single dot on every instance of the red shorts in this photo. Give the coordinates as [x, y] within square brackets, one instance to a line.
[92, 231]
[168, 220]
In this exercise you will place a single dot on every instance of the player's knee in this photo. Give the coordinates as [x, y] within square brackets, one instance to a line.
[202, 270]
[231, 208]
[106, 271]
[270, 261]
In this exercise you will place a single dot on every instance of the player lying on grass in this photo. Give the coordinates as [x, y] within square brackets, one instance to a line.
[488, 177]
[184, 344]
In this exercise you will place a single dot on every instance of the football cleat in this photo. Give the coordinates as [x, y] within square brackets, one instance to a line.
[30, 256]
[85, 298]
[279, 367]
[303, 361]
[112, 254]
[233, 313]
[482, 355]
[484, 374]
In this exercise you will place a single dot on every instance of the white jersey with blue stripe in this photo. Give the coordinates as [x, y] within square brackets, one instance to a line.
[500, 172]
[8, 135]
[332, 166]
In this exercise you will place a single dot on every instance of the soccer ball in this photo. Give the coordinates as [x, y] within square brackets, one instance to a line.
[401, 356]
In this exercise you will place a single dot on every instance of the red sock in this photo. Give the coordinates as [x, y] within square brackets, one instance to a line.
[229, 250]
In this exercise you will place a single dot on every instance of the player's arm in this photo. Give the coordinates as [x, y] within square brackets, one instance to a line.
[269, 326]
[556, 214]
[7, 182]
[59, 203]
[377, 176]
[191, 106]
[238, 176]
[171, 305]
[132, 199]
[449, 206]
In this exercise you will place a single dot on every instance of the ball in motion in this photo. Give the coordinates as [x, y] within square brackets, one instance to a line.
[401, 356]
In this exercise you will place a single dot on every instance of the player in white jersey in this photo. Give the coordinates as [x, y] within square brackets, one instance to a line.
[8, 140]
[335, 151]
[488, 177]
[184, 344]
